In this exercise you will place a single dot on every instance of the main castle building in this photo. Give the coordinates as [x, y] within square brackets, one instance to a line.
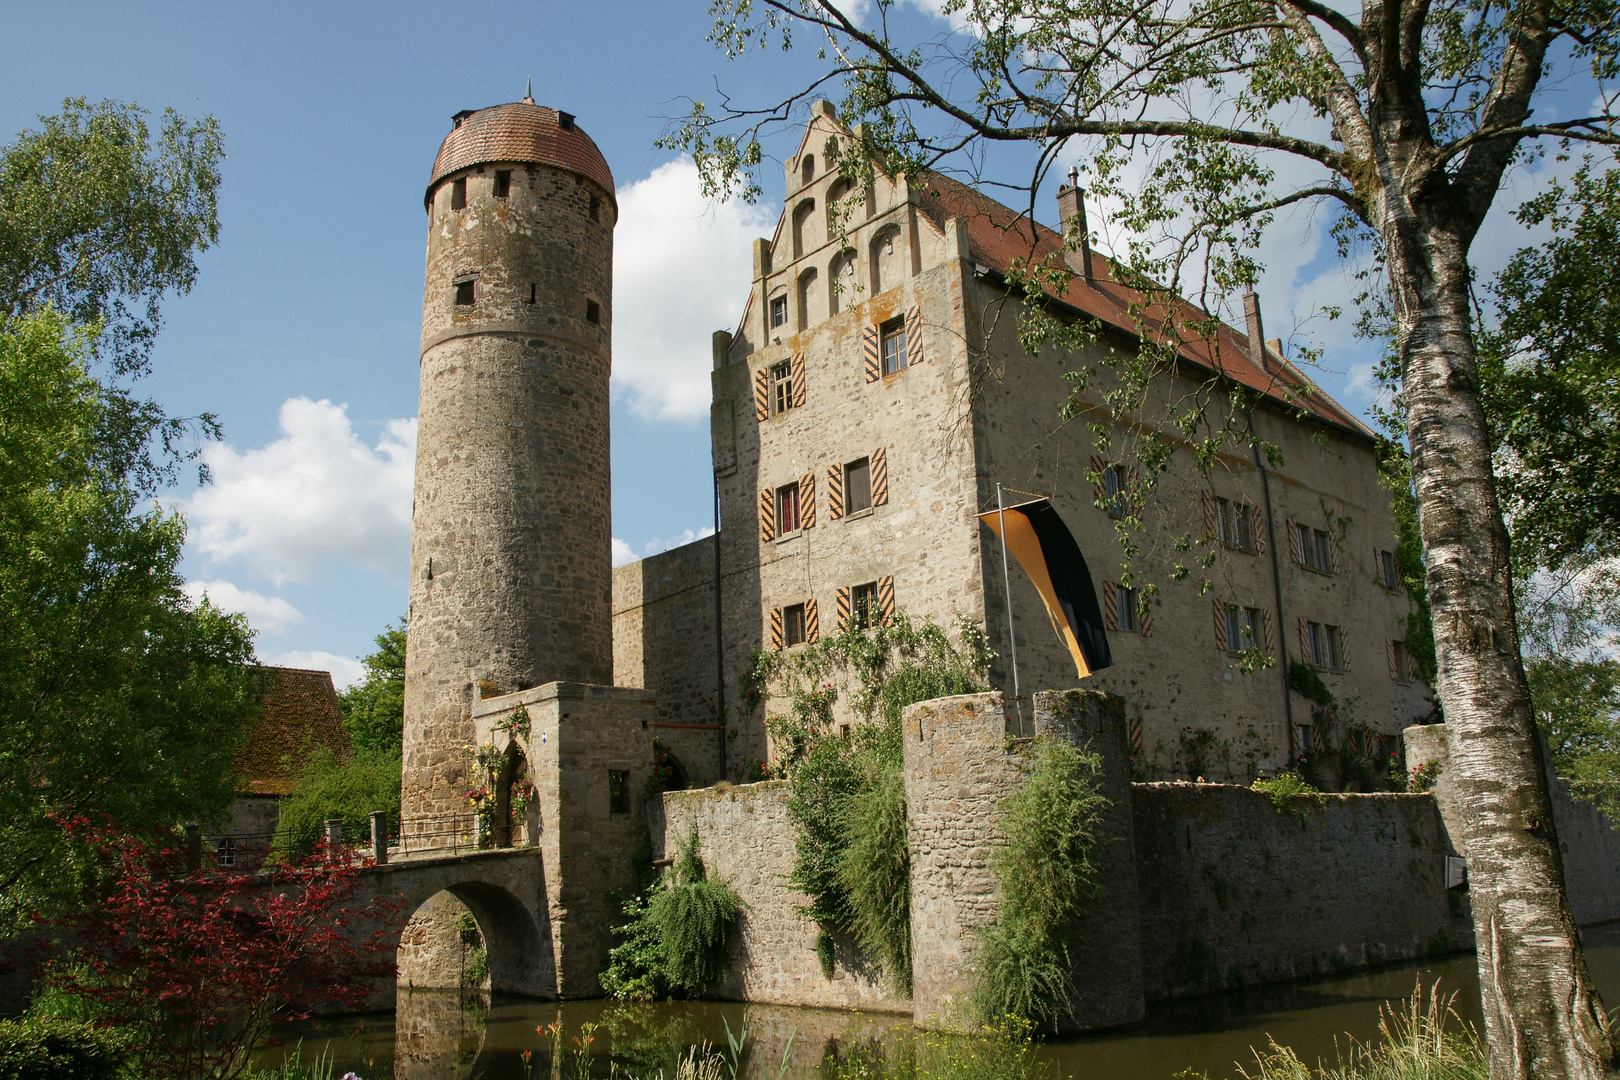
[875, 393]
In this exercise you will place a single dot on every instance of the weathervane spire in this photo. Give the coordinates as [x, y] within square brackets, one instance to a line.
[528, 91]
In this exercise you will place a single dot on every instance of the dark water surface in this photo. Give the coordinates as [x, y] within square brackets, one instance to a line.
[443, 1036]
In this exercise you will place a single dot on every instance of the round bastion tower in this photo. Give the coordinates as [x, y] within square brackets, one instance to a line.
[510, 543]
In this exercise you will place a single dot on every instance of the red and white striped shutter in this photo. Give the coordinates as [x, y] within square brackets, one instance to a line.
[835, 491]
[1147, 623]
[767, 515]
[812, 621]
[1394, 661]
[1305, 641]
[880, 477]
[1209, 514]
[914, 349]
[807, 500]
[762, 395]
[886, 599]
[870, 352]
[1099, 486]
[776, 629]
[798, 379]
[1257, 529]
[1269, 632]
[1344, 648]
[1220, 625]
[1296, 546]
[1338, 558]
[843, 608]
[1110, 606]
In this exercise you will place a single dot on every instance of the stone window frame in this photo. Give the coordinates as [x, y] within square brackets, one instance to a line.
[781, 381]
[794, 625]
[777, 306]
[849, 488]
[502, 188]
[1316, 635]
[865, 611]
[893, 331]
[797, 515]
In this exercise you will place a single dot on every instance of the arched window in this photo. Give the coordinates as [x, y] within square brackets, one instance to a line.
[842, 282]
[886, 259]
[807, 297]
[801, 219]
[838, 214]
[807, 169]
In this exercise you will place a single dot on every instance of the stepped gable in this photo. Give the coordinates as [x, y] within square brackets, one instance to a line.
[997, 235]
[299, 712]
[523, 132]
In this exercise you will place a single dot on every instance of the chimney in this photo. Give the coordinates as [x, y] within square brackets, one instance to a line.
[1257, 334]
[1072, 216]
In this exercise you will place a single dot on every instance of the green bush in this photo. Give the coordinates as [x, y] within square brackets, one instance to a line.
[349, 790]
[52, 1048]
[1290, 794]
[1044, 877]
[875, 872]
[678, 937]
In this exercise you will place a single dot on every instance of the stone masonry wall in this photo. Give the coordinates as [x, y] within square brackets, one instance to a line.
[747, 841]
[663, 641]
[1235, 892]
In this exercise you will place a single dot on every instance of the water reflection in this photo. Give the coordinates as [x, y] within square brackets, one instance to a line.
[439, 1035]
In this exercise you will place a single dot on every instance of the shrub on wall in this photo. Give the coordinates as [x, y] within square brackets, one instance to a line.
[678, 937]
[876, 874]
[329, 788]
[1044, 876]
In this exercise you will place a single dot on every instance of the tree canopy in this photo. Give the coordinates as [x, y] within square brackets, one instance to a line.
[374, 707]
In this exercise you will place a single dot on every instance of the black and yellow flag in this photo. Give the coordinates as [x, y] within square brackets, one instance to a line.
[1046, 550]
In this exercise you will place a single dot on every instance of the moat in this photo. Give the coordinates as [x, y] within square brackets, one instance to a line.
[441, 1036]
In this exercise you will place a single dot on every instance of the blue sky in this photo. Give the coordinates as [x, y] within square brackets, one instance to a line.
[302, 331]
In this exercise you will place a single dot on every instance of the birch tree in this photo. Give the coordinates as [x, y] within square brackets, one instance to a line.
[1202, 119]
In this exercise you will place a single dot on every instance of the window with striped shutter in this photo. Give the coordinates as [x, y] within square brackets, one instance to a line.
[843, 608]
[1392, 652]
[914, 349]
[1344, 648]
[869, 352]
[1296, 543]
[1208, 500]
[1110, 606]
[885, 595]
[835, 491]
[1099, 486]
[776, 629]
[1147, 624]
[767, 515]
[1136, 735]
[812, 621]
[1269, 632]
[798, 380]
[1223, 626]
[762, 395]
[880, 477]
[807, 501]
[1257, 528]
[1306, 653]
[1338, 556]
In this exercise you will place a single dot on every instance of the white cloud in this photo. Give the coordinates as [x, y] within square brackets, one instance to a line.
[345, 670]
[271, 614]
[317, 493]
[681, 270]
[623, 553]
[653, 547]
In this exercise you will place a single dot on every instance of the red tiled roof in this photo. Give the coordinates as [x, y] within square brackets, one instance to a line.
[521, 131]
[299, 710]
[997, 235]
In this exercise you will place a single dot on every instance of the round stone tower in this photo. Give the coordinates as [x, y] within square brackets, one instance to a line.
[510, 546]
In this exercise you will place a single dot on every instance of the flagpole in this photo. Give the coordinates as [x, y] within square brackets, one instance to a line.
[1006, 585]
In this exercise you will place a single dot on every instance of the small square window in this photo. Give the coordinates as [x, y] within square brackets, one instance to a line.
[793, 626]
[464, 293]
[858, 486]
[458, 194]
[782, 386]
[593, 312]
[1303, 741]
[893, 334]
[1317, 549]
[618, 791]
[1324, 645]
[779, 311]
[787, 509]
[226, 852]
[1234, 524]
[863, 605]
[503, 183]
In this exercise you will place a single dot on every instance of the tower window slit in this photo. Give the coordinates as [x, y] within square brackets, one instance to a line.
[503, 183]
[464, 293]
[593, 312]
[458, 194]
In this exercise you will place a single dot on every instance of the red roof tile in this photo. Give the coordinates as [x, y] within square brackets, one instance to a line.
[299, 710]
[521, 131]
[997, 235]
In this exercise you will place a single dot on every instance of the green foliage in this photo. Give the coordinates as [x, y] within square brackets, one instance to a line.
[99, 223]
[118, 695]
[49, 1048]
[1304, 681]
[1045, 875]
[847, 796]
[678, 936]
[374, 707]
[329, 788]
[1547, 376]
[876, 874]
[1577, 704]
[1395, 474]
[1290, 794]
[1005, 1050]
